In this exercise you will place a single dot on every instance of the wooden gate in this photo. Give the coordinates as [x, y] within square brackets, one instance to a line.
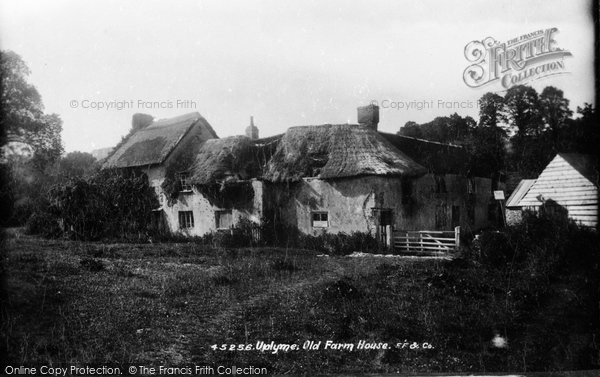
[427, 241]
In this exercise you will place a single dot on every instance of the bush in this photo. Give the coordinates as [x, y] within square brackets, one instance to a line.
[234, 238]
[108, 204]
[22, 211]
[43, 224]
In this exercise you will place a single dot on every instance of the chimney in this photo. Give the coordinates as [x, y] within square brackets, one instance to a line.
[368, 116]
[139, 121]
[252, 130]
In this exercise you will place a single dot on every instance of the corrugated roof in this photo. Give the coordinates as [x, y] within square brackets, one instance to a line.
[519, 192]
[152, 144]
[337, 151]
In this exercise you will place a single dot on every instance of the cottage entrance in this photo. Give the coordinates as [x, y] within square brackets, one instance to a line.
[384, 218]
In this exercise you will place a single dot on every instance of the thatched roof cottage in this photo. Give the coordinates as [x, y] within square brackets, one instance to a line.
[318, 178]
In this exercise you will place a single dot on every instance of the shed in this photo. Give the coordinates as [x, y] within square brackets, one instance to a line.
[569, 181]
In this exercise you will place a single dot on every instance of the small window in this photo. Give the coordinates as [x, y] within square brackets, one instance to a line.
[184, 180]
[186, 219]
[224, 219]
[320, 219]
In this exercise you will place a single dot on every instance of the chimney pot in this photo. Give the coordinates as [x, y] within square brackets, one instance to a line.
[139, 121]
[368, 116]
[252, 130]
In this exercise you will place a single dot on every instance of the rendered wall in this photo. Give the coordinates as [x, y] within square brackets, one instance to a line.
[349, 203]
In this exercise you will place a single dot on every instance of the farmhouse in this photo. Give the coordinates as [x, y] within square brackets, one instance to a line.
[569, 184]
[321, 178]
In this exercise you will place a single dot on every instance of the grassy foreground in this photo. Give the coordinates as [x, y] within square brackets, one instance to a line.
[79, 303]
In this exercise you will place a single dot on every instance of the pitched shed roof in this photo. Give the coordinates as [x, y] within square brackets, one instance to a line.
[522, 188]
[337, 151]
[570, 181]
[152, 144]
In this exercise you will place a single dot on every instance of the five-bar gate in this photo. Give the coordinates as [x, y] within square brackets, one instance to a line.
[427, 241]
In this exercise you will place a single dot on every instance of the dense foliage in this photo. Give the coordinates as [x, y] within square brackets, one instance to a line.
[519, 132]
[107, 204]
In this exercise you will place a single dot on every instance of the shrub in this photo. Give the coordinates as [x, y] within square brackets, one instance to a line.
[22, 211]
[43, 224]
[110, 203]
[234, 238]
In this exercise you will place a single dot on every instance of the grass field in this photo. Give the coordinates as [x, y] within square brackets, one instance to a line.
[68, 302]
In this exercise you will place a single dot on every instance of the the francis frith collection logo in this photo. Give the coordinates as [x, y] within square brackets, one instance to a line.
[518, 61]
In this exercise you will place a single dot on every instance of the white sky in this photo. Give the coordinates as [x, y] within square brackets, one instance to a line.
[286, 62]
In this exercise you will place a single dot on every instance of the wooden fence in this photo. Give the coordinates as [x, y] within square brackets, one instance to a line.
[427, 241]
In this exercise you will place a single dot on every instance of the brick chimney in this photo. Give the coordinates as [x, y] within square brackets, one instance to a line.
[252, 130]
[139, 121]
[368, 116]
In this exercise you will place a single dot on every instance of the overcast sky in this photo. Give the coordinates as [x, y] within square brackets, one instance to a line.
[287, 63]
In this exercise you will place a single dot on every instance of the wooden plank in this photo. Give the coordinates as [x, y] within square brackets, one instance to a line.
[554, 187]
[583, 211]
[417, 232]
[584, 218]
[537, 203]
[427, 238]
[424, 240]
[427, 248]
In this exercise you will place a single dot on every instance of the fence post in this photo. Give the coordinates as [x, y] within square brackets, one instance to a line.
[457, 237]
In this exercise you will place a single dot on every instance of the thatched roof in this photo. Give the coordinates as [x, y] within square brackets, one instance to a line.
[438, 158]
[152, 144]
[337, 151]
[222, 158]
[232, 158]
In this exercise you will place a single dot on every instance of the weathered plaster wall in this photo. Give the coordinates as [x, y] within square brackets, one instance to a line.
[204, 210]
[349, 202]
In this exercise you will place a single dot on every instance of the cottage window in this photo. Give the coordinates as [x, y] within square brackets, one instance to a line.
[184, 180]
[224, 219]
[186, 219]
[320, 219]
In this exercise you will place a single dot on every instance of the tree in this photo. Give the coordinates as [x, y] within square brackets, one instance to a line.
[76, 165]
[23, 119]
[555, 111]
[582, 134]
[411, 129]
[21, 103]
[490, 110]
[522, 111]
